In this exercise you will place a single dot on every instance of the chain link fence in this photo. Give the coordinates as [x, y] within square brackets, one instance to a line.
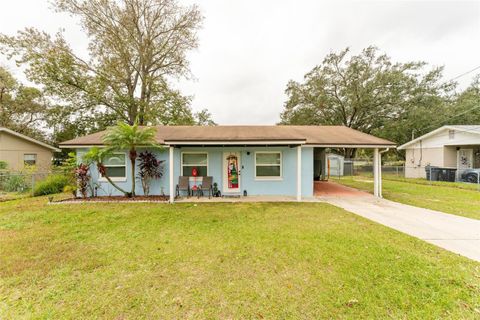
[20, 184]
[359, 167]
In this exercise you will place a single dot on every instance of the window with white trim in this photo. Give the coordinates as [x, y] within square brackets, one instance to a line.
[30, 159]
[268, 165]
[197, 160]
[116, 166]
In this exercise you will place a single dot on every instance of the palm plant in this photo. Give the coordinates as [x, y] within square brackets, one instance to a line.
[129, 137]
[97, 155]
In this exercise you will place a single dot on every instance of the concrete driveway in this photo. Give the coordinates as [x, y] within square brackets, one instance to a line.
[454, 233]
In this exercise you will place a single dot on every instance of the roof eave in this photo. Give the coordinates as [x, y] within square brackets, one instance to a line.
[30, 139]
[352, 145]
[234, 142]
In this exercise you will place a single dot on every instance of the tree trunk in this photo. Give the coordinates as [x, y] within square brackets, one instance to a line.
[350, 153]
[126, 193]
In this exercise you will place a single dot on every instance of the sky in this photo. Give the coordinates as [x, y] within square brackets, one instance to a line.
[249, 49]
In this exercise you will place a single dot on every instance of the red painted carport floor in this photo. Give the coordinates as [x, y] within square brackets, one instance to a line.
[329, 189]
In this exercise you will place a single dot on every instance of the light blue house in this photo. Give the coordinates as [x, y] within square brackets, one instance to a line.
[252, 160]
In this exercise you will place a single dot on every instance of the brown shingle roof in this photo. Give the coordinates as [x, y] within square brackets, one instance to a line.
[310, 135]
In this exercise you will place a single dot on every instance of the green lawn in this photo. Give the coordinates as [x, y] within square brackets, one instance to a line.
[227, 261]
[462, 199]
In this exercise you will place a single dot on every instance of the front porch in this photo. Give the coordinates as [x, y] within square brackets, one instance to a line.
[206, 199]
[241, 173]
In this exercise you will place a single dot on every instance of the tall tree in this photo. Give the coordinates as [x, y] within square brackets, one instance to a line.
[175, 109]
[22, 109]
[466, 107]
[135, 47]
[367, 92]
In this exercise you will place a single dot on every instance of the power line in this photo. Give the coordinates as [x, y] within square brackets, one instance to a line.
[459, 114]
[464, 74]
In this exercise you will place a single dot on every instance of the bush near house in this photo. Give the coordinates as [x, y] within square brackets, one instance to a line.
[52, 184]
[12, 182]
[3, 165]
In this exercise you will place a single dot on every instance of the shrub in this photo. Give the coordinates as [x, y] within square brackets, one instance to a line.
[150, 168]
[83, 178]
[68, 167]
[3, 165]
[52, 184]
[15, 183]
[70, 189]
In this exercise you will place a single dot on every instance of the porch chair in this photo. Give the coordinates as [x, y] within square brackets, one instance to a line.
[183, 185]
[207, 185]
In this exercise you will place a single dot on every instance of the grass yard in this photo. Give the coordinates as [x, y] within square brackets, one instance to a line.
[228, 261]
[456, 198]
[7, 196]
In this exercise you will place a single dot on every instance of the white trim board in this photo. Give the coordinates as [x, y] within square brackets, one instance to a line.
[434, 132]
[360, 146]
[235, 143]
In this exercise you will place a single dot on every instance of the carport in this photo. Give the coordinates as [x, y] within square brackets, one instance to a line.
[321, 159]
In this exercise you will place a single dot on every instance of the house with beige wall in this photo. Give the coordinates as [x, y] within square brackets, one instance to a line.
[450, 146]
[17, 150]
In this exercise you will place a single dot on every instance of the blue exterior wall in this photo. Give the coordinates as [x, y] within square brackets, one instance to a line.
[286, 186]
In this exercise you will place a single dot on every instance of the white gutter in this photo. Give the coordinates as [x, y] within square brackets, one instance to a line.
[359, 146]
[243, 142]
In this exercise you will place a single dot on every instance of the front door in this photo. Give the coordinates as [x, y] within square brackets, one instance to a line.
[464, 159]
[231, 172]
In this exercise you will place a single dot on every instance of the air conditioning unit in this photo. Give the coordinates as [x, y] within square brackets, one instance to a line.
[470, 175]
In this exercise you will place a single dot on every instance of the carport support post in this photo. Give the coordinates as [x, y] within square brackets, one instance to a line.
[299, 173]
[170, 169]
[377, 174]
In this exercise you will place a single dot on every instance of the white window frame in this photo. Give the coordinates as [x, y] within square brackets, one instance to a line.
[269, 178]
[116, 179]
[30, 154]
[191, 178]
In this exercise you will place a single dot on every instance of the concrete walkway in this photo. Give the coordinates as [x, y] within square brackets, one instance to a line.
[454, 233]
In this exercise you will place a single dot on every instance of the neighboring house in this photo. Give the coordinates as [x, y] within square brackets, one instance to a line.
[451, 146]
[18, 150]
[269, 160]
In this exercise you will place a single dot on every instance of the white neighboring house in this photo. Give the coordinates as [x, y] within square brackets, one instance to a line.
[450, 146]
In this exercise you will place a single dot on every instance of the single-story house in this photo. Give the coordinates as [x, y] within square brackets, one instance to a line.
[269, 160]
[451, 146]
[18, 150]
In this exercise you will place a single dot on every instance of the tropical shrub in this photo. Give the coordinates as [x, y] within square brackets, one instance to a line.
[52, 184]
[128, 137]
[149, 168]
[3, 165]
[68, 167]
[82, 177]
